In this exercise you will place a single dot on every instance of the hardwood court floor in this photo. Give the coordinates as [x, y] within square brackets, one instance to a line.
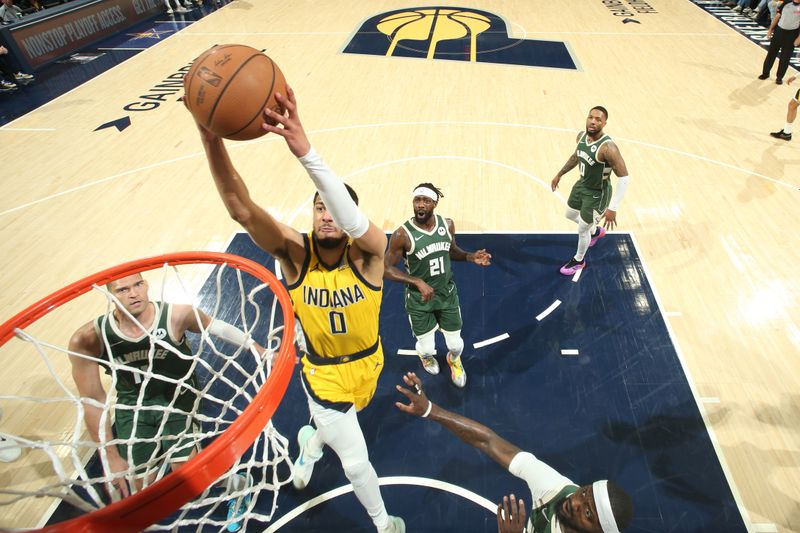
[711, 201]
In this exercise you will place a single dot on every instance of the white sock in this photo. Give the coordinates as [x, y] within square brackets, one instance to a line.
[787, 128]
[584, 236]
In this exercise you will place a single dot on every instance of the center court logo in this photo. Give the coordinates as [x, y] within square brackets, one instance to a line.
[454, 33]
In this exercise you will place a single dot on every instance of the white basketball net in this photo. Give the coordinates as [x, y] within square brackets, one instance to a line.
[227, 379]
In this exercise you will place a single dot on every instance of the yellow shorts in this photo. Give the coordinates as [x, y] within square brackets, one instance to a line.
[340, 385]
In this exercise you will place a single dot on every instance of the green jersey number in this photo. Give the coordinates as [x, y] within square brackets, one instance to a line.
[437, 266]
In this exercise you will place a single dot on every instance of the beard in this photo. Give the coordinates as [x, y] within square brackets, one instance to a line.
[330, 242]
[424, 218]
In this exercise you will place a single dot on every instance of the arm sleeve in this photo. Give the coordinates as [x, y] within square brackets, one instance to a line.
[622, 186]
[543, 480]
[230, 333]
[331, 189]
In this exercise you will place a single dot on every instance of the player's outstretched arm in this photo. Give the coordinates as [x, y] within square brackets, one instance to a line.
[369, 238]
[280, 240]
[469, 431]
[479, 257]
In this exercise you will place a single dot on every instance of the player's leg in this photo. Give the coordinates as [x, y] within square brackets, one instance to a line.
[573, 211]
[138, 429]
[423, 326]
[342, 432]
[586, 219]
[791, 114]
[450, 323]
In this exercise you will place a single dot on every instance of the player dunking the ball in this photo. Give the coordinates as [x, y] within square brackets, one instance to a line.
[335, 278]
[590, 200]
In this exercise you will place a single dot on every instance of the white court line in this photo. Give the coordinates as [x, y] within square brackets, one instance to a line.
[278, 271]
[390, 125]
[286, 33]
[569, 352]
[710, 399]
[577, 276]
[548, 310]
[493, 340]
[27, 129]
[764, 527]
[118, 48]
[406, 352]
[395, 480]
[737, 497]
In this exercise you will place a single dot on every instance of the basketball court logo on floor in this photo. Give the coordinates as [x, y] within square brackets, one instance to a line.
[454, 33]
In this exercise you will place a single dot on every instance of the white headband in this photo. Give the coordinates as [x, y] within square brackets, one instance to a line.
[427, 192]
[603, 503]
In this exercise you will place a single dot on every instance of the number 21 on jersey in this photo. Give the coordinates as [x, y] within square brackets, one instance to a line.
[437, 266]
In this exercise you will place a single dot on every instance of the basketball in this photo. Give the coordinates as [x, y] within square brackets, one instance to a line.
[228, 87]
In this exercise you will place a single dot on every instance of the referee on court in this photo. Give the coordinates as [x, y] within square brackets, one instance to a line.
[783, 34]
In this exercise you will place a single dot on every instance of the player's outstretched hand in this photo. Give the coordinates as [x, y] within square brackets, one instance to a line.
[418, 401]
[554, 183]
[288, 125]
[482, 258]
[510, 515]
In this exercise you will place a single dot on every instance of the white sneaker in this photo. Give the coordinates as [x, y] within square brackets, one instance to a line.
[396, 525]
[429, 363]
[170, 11]
[753, 15]
[457, 372]
[737, 9]
[182, 10]
[747, 11]
[304, 465]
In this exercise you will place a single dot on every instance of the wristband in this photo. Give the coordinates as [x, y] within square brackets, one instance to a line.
[428, 410]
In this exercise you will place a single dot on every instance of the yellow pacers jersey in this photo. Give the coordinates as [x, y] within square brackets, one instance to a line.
[338, 310]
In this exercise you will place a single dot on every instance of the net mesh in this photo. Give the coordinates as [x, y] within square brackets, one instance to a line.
[217, 382]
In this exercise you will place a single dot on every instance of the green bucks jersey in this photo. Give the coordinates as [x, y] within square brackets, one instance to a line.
[141, 354]
[429, 256]
[593, 172]
[545, 519]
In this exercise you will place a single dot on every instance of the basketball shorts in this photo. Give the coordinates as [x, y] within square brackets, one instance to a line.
[340, 386]
[445, 312]
[172, 442]
[591, 203]
[797, 96]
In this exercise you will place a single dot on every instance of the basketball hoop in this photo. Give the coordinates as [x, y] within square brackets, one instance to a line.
[166, 495]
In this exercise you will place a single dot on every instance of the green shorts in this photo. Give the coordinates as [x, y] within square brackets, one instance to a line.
[592, 203]
[444, 312]
[148, 426]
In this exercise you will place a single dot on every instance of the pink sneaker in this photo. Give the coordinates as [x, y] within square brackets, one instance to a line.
[573, 266]
[599, 234]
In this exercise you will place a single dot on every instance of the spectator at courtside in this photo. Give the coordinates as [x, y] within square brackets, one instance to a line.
[9, 78]
[791, 114]
[9, 13]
